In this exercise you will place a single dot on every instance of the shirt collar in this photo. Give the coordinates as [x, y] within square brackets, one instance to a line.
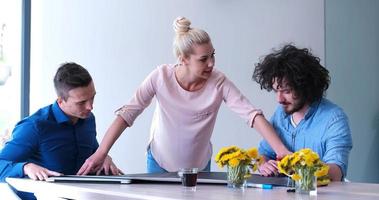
[312, 109]
[59, 115]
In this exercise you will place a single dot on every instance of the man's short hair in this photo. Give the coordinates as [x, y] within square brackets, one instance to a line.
[300, 70]
[69, 76]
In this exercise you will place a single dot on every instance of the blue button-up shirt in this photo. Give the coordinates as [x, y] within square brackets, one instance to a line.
[48, 138]
[324, 129]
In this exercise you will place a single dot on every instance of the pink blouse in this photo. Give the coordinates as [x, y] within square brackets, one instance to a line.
[183, 121]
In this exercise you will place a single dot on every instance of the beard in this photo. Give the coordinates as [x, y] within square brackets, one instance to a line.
[289, 109]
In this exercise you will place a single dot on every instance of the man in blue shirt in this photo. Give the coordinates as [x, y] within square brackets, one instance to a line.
[58, 138]
[304, 119]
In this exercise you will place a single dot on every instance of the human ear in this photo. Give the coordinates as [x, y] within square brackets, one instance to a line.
[60, 100]
[184, 60]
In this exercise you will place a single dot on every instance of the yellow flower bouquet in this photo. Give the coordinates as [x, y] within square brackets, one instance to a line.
[238, 162]
[304, 166]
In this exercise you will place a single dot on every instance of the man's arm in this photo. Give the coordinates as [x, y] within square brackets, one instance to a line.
[16, 152]
[335, 173]
[37, 172]
[10, 169]
[338, 146]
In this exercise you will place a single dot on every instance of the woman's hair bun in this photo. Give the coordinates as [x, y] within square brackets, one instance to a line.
[181, 25]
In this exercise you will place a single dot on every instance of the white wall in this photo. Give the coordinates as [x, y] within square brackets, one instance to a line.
[120, 42]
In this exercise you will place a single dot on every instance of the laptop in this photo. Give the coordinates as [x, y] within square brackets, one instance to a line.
[171, 177]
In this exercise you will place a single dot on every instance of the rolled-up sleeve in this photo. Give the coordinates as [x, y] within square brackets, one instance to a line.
[339, 143]
[141, 99]
[265, 149]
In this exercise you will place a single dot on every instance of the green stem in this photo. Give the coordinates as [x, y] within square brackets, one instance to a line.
[236, 175]
[307, 180]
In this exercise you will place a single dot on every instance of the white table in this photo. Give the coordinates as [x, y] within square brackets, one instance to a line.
[7, 193]
[45, 190]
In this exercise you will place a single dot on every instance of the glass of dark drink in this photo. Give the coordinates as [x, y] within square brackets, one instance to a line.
[189, 177]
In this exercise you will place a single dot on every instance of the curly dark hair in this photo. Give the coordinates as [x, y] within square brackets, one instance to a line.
[299, 68]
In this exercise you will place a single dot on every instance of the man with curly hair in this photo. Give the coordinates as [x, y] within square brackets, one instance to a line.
[304, 118]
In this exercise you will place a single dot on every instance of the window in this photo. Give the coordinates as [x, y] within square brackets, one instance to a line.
[10, 66]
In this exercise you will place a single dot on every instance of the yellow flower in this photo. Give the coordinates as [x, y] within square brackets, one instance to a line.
[234, 156]
[296, 177]
[234, 162]
[225, 150]
[218, 156]
[305, 151]
[324, 180]
[282, 167]
[311, 158]
[295, 158]
[252, 153]
[284, 161]
[226, 154]
[323, 171]
[220, 165]
[315, 156]
[303, 161]
[308, 160]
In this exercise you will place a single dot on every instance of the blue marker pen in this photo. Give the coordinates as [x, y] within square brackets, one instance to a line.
[263, 186]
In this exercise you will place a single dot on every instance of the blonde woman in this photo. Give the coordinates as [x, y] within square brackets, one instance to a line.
[189, 95]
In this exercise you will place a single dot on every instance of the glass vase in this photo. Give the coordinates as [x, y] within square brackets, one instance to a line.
[307, 184]
[236, 176]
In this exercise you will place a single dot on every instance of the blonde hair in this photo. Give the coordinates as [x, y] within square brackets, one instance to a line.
[186, 37]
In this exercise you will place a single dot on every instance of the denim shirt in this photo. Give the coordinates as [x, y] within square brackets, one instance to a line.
[324, 129]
